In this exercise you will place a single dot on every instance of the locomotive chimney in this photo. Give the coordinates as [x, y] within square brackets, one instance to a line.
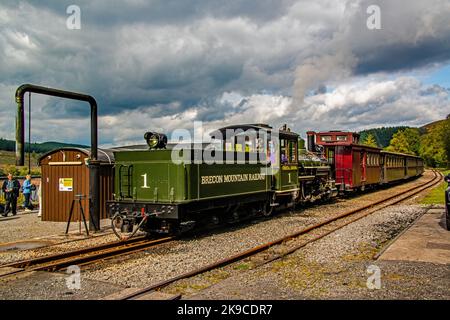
[311, 141]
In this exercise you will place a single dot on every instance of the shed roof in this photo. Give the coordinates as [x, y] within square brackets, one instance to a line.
[104, 155]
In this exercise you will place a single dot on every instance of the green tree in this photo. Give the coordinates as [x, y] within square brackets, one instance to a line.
[382, 135]
[405, 141]
[435, 145]
[446, 139]
[370, 141]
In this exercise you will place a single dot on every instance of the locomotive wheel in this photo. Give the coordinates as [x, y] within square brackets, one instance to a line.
[118, 227]
[117, 222]
[124, 231]
[267, 209]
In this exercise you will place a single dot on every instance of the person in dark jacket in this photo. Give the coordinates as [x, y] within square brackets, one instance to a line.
[11, 188]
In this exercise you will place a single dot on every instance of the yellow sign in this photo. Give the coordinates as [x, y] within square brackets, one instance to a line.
[65, 184]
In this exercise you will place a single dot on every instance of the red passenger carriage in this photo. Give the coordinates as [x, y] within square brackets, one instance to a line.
[357, 166]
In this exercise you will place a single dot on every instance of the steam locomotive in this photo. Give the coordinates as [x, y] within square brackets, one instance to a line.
[247, 170]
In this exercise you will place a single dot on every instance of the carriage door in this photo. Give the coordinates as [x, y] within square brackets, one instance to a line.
[405, 166]
[289, 165]
[331, 160]
[363, 160]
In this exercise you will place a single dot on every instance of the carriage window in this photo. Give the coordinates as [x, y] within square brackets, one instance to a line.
[331, 156]
[292, 151]
[288, 151]
[325, 138]
[341, 138]
[283, 152]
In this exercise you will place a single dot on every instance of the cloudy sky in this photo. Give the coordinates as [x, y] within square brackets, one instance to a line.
[164, 64]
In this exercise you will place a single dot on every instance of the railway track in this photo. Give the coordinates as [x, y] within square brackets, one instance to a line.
[286, 245]
[82, 256]
[85, 256]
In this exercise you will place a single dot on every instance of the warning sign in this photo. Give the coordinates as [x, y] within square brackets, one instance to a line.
[65, 184]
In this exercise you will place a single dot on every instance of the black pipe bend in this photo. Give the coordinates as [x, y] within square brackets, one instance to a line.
[20, 131]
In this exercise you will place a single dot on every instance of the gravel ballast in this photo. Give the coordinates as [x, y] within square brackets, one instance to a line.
[168, 261]
[337, 267]
[311, 272]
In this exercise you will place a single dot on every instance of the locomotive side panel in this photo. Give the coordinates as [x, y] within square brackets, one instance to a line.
[225, 180]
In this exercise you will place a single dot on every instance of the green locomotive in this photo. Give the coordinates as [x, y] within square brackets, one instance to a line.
[247, 170]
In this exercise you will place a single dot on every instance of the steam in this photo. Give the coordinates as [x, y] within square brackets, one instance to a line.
[317, 71]
[334, 62]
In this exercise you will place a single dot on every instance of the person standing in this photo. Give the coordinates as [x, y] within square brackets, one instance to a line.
[11, 189]
[26, 190]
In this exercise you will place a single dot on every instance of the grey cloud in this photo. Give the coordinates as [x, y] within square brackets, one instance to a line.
[108, 13]
[170, 59]
[414, 34]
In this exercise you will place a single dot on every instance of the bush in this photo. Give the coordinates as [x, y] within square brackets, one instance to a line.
[19, 171]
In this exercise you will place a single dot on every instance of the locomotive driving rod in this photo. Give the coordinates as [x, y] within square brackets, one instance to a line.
[94, 187]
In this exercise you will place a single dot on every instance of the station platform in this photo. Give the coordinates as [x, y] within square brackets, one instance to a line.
[427, 240]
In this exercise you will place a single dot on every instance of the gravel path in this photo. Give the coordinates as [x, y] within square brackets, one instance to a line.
[27, 229]
[335, 267]
[53, 286]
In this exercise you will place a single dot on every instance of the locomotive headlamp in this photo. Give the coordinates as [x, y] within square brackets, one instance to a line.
[155, 140]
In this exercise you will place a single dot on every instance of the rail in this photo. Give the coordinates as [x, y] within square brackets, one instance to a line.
[373, 207]
[83, 256]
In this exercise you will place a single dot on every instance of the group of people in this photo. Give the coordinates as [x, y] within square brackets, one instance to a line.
[11, 190]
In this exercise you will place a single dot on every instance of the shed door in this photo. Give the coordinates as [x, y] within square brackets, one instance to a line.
[57, 197]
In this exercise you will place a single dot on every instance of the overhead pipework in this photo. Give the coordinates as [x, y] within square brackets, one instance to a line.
[94, 188]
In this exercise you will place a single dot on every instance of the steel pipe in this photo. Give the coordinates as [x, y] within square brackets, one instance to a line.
[94, 189]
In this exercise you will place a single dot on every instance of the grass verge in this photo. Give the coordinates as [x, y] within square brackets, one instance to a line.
[437, 195]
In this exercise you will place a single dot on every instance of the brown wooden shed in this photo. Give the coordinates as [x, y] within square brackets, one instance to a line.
[65, 174]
